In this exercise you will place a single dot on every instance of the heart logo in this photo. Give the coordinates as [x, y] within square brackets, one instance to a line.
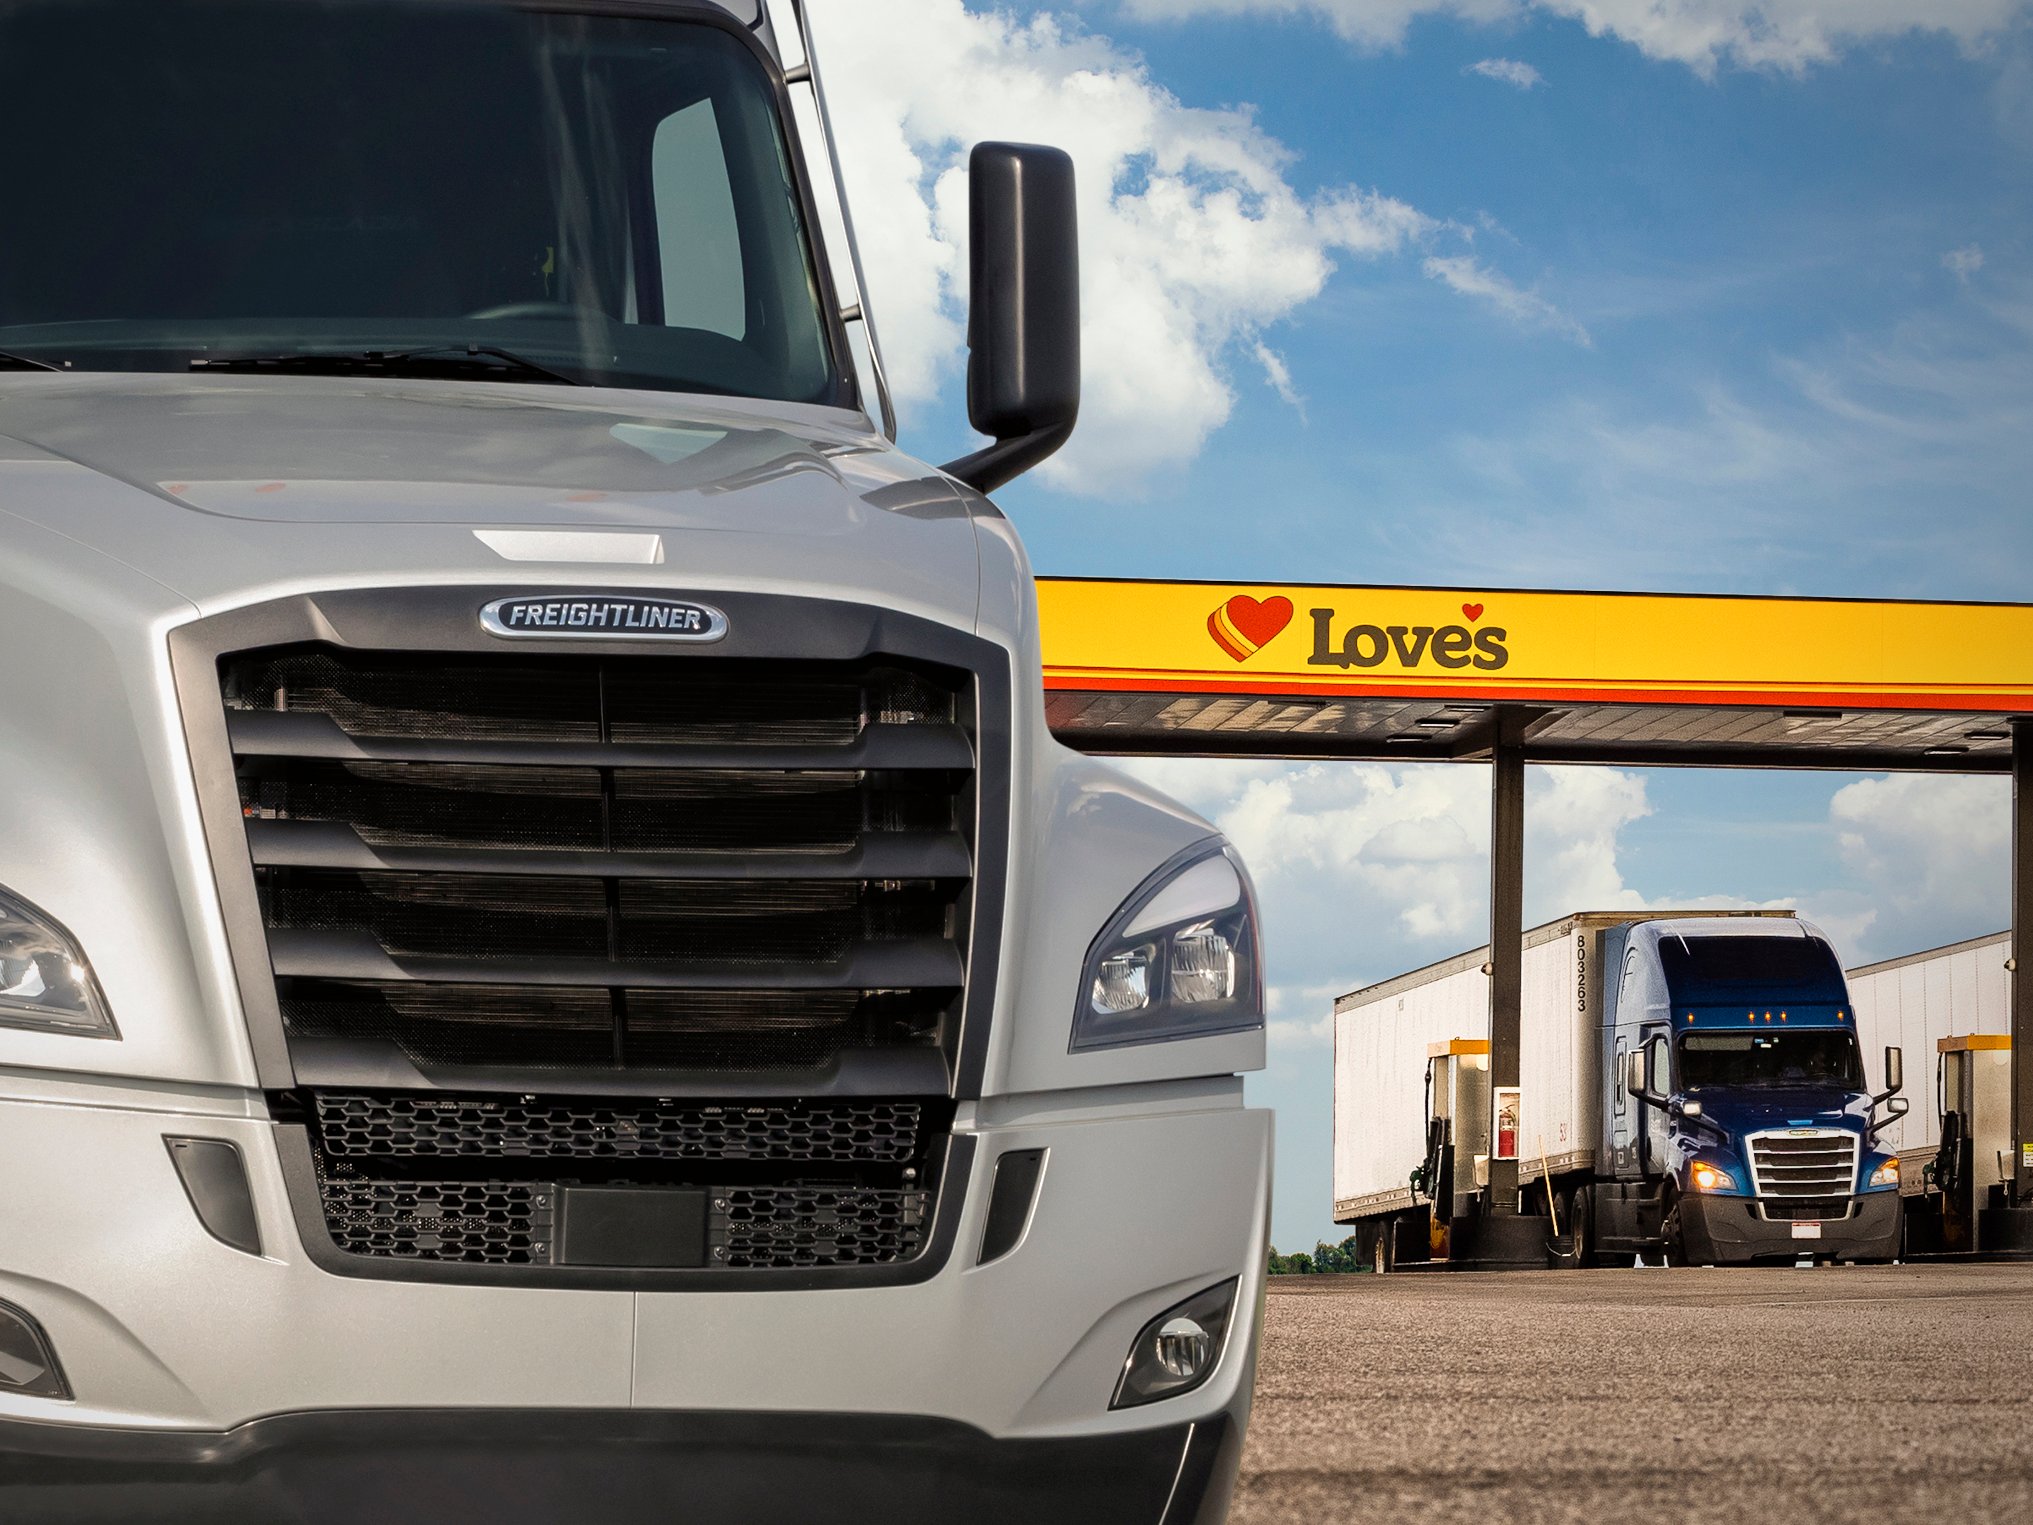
[1472, 611]
[1242, 626]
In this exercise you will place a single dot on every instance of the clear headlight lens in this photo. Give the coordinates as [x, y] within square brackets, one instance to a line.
[1177, 1350]
[44, 980]
[1886, 1174]
[1180, 958]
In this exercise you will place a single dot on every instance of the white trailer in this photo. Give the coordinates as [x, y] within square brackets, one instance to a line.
[1386, 1034]
[1933, 1004]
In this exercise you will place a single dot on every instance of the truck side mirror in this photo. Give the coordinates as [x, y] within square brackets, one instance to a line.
[1895, 1072]
[1023, 320]
[1634, 1072]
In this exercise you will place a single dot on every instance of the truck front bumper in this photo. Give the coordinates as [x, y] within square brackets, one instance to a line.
[442, 1467]
[214, 1384]
[1731, 1230]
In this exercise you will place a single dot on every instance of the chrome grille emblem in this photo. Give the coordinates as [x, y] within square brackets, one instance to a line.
[603, 617]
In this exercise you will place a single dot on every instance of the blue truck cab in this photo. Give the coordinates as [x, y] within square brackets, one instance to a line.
[1738, 1119]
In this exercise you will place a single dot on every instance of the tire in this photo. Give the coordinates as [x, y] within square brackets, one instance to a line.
[1670, 1232]
[1384, 1255]
[1581, 1208]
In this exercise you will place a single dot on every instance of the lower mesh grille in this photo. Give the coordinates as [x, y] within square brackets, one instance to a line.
[789, 1227]
[510, 1223]
[482, 1179]
[475, 1222]
[421, 1123]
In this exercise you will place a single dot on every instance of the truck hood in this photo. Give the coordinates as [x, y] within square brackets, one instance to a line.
[228, 490]
[1757, 1109]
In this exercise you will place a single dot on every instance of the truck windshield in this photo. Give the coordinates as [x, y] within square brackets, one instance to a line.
[1729, 971]
[1804, 1058]
[606, 198]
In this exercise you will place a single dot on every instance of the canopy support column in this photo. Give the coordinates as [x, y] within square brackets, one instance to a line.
[2021, 981]
[1506, 931]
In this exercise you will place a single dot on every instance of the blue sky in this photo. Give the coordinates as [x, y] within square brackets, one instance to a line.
[1669, 317]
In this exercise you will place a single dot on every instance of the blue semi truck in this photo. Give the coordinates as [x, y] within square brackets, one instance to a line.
[1693, 1088]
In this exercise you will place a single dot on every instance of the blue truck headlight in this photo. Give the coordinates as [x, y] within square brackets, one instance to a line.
[1707, 1176]
[45, 982]
[1886, 1175]
[1180, 959]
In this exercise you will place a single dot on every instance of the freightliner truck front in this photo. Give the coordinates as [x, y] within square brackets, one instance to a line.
[550, 968]
[1692, 1087]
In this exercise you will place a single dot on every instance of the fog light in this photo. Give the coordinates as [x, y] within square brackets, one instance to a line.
[1184, 1348]
[27, 1364]
[1177, 1350]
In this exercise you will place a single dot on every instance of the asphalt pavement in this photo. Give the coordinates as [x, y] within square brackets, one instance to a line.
[1808, 1397]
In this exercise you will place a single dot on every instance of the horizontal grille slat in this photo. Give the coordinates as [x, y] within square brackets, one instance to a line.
[339, 955]
[481, 1026]
[876, 855]
[628, 810]
[562, 698]
[293, 734]
[778, 923]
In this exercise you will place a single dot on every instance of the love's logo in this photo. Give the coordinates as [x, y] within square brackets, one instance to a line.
[1243, 626]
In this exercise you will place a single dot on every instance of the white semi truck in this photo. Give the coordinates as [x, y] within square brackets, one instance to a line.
[550, 968]
[1691, 1084]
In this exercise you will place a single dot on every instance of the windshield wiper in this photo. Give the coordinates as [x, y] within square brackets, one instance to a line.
[13, 362]
[463, 360]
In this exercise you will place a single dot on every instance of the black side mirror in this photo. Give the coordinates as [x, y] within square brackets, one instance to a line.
[1895, 1072]
[1023, 321]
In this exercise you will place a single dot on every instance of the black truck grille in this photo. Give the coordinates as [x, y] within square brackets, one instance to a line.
[682, 933]
[615, 863]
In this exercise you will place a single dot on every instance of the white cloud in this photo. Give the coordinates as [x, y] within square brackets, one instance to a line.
[1278, 375]
[1467, 275]
[1194, 238]
[1366, 870]
[1703, 34]
[1929, 856]
[1509, 71]
[1964, 262]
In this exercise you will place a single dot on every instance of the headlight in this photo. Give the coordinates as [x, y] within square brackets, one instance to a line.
[1179, 960]
[1707, 1177]
[44, 981]
[1886, 1174]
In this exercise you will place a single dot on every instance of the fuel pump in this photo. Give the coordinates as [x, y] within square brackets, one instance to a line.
[1973, 1161]
[1457, 1120]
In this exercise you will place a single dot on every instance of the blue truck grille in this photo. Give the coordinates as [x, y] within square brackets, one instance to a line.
[1802, 1165]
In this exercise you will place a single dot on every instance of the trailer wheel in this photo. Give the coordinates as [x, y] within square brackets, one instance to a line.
[1384, 1251]
[1581, 1217]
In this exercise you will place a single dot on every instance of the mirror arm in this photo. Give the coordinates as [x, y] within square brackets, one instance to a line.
[992, 465]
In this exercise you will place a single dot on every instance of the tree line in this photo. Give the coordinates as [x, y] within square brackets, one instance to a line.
[1324, 1259]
